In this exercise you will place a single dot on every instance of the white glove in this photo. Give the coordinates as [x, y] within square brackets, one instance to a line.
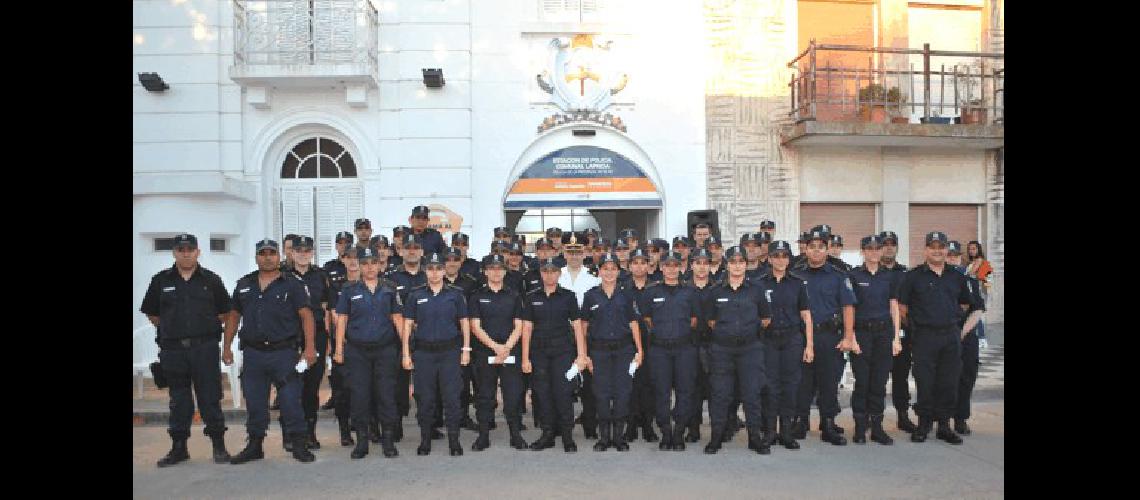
[302, 365]
[983, 344]
[632, 367]
[572, 372]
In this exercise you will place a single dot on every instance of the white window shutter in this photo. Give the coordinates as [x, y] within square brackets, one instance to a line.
[337, 208]
[297, 210]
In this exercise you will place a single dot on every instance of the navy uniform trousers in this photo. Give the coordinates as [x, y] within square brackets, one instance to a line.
[673, 369]
[198, 366]
[438, 381]
[819, 376]
[259, 370]
[491, 377]
[371, 371]
[611, 384]
[900, 371]
[740, 368]
[937, 367]
[970, 362]
[783, 359]
[871, 369]
[553, 394]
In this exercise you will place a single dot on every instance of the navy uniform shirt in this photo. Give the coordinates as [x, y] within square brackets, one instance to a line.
[737, 312]
[839, 264]
[471, 266]
[406, 281]
[532, 280]
[432, 241]
[609, 317]
[395, 263]
[932, 301]
[752, 274]
[787, 298]
[496, 312]
[702, 330]
[319, 293]
[436, 315]
[672, 308]
[464, 282]
[657, 275]
[370, 312]
[873, 293]
[828, 291]
[186, 308]
[551, 314]
[270, 315]
[336, 271]
[976, 290]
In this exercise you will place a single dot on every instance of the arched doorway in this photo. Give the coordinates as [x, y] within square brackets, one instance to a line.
[318, 193]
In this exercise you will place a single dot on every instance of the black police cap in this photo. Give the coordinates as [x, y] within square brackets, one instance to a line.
[378, 240]
[266, 243]
[936, 237]
[638, 253]
[871, 241]
[413, 239]
[804, 236]
[497, 246]
[681, 241]
[602, 243]
[763, 238]
[889, 236]
[460, 239]
[397, 231]
[366, 253]
[734, 251]
[362, 222]
[700, 253]
[419, 210]
[543, 242]
[303, 242]
[186, 239]
[609, 257]
[671, 257]
[817, 234]
[779, 246]
[621, 244]
[549, 264]
[660, 244]
[553, 232]
[628, 232]
[515, 247]
[434, 259]
[749, 237]
[494, 260]
[767, 224]
[344, 235]
[954, 247]
[502, 231]
[452, 252]
[713, 241]
[836, 240]
[822, 228]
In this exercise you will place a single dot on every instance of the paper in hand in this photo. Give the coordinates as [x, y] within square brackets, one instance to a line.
[632, 367]
[302, 365]
[510, 360]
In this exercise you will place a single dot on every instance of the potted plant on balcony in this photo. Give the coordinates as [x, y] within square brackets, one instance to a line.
[874, 99]
[973, 111]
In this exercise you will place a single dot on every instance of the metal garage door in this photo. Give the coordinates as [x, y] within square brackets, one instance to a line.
[853, 221]
[960, 222]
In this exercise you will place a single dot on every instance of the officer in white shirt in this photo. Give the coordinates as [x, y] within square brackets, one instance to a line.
[577, 278]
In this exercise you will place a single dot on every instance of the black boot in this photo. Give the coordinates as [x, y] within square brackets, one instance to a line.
[546, 440]
[666, 438]
[252, 451]
[311, 438]
[374, 431]
[589, 427]
[361, 448]
[800, 426]
[947, 434]
[647, 430]
[453, 445]
[345, 432]
[466, 422]
[860, 434]
[491, 425]
[177, 453]
[715, 441]
[923, 429]
[620, 443]
[483, 441]
[903, 421]
[835, 429]
[436, 433]
[568, 444]
[300, 449]
[517, 441]
[679, 439]
[769, 430]
[786, 438]
[221, 455]
[732, 426]
[398, 430]
[694, 434]
[286, 442]
[961, 427]
[878, 435]
[757, 442]
[425, 442]
[630, 434]
[828, 433]
[388, 443]
[605, 430]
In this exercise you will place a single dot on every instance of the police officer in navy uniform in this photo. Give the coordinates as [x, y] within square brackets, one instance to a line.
[834, 251]
[719, 266]
[272, 307]
[786, 348]
[932, 297]
[610, 318]
[187, 304]
[396, 252]
[832, 303]
[338, 376]
[435, 319]
[670, 309]
[409, 276]
[682, 246]
[363, 229]
[642, 405]
[970, 354]
[591, 238]
[801, 244]
[701, 281]
[470, 266]
[736, 310]
[877, 341]
[755, 245]
[432, 239]
[319, 288]
[495, 314]
[369, 323]
[553, 340]
[544, 248]
[900, 365]
[453, 276]
[512, 253]
[768, 227]
[336, 271]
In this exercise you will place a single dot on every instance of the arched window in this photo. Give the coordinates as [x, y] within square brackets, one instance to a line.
[318, 158]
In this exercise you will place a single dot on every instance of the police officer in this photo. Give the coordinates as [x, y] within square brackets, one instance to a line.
[396, 257]
[319, 293]
[453, 276]
[363, 229]
[769, 227]
[609, 317]
[970, 346]
[682, 246]
[369, 323]
[877, 340]
[835, 251]
[516, 266]
[622, 250]
[642, 405]
[701, 281]
[592, 236]
[555, 236]
[503, 234]
[552, 337]
[801, 244]
[409, 276]
[338, 378]
[755, 245]
[832, 311]
[432, 240]
[657, 249]
[600, 247]
[188, 304]
[930, 297]
[435, 317]
[670, 309]
[288, 249]
[495, 315]
[736, 310]
[575, 278]
[335, 266]
[272, 307]
[630, 236]
[470, 266]
[383, 250]
[544, 248]
[718, 266]
[785, 347]
[900, 365]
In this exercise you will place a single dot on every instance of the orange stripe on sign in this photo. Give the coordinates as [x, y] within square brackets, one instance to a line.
[584, 185]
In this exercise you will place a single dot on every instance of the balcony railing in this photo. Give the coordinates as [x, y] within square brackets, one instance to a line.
[879, 84]
[305, 32]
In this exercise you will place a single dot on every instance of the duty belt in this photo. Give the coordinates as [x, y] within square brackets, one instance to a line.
[945, 329]
[438, 346]
[779, 331]
[830, 325]
[185, 343]
[549, 342]
[369, 346]
[733, 340]
[683, 340]
[609, 345]
[873, 325]
[265, 345]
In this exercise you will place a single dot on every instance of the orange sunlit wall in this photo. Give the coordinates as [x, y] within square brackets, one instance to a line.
[838, 22]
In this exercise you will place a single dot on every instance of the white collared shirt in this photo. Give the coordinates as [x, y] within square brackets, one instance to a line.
[584, 282]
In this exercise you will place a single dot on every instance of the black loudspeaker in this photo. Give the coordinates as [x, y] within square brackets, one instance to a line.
[706, 216]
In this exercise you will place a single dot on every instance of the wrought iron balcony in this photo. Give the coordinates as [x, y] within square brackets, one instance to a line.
[305, 42]
[952, 97]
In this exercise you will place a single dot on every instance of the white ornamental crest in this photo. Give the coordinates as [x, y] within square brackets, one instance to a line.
[581, 77]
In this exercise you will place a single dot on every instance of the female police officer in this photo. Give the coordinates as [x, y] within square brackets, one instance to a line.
[876, 340]
[495, 312]
[368, 324]
[552, 335]
[436, 315]
[610, 320]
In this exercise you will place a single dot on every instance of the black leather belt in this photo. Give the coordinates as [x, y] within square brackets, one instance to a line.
[369, 346]
[936, 330]
[734, 341]
[438, 346]
[549, 342]
[185, 343]
[874, 325]
[779, 331]
[829, 325]
[609, 345]
[265, 345]
[685, 340]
